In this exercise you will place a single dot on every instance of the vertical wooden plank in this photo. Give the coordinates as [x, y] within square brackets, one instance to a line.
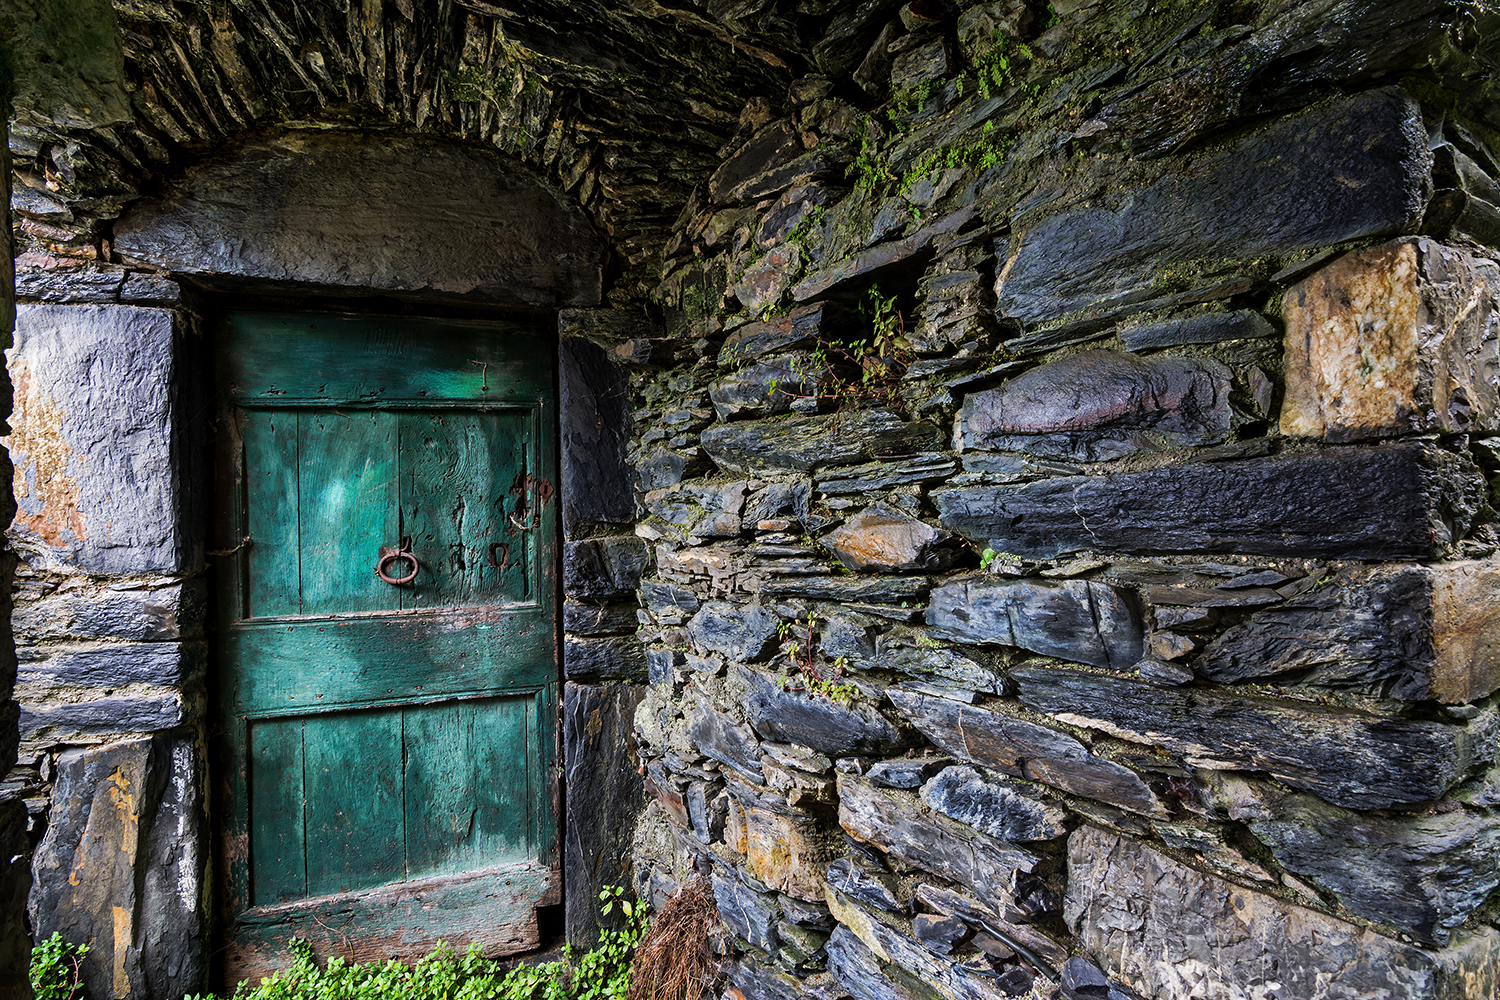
[278, 870]
[458, 472]
[545, 791]
[467, 785]
[348, 509]
[439, 505]
[355, 821]
[274, 555]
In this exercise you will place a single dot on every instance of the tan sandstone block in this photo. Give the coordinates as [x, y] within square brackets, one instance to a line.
[1398, 338]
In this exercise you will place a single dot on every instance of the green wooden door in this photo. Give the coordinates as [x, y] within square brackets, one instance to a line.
[390, 748]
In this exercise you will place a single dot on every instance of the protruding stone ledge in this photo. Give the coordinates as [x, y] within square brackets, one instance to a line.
[1407, 631]
[1351, 758]
[815, 721]
[1395, 339]
[1167, 930]
[1393, 501]
[1357, 167]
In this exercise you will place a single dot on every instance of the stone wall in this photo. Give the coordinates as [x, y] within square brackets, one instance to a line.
[1068, 459]
[15, 867]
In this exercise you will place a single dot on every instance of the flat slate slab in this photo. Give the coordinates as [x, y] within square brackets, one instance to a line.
[1349, 169]
[1413, 500]
[1351, 758]
[1077, 620]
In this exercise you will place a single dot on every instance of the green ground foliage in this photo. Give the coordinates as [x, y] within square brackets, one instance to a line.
[602, 973]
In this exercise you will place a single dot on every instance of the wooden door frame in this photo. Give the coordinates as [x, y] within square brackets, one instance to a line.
[383, 903]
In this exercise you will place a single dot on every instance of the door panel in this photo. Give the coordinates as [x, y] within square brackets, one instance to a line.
[391, 750]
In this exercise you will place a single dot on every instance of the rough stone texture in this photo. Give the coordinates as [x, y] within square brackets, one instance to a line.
[815, 721]
[1399, 338]
[741, 633]
[93, 720]
[96, 440]
[882, 539]
[341, 213]
[768, 388]
[131, 612]
[1205, 328]
[1403, 631]
[1424, 875]
[864, 883]
[1351, 169]
[594, 418]
[999, 807]
[1168, 930]
[612, 658]
[722, 739]
[1001, 741]
[750, 915]
[804, 443]
[1414, 501]
[581, 619]
[908, 960]
[603, 799]
[896, 823]
[1075, 620]
[1352, 758]
[1100, 405]
[158, 664]
[785, 846]
[795, 328]
[123, 866]
[603, 567]
[859, 971]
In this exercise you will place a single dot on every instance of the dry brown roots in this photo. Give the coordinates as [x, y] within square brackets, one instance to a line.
[676, 960]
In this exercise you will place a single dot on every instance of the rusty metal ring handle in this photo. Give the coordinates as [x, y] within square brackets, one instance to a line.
[404, 552]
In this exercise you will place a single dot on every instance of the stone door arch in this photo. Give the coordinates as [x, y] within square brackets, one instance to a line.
[111, 387]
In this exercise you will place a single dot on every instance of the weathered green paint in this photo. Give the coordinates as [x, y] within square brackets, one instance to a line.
[381, 735]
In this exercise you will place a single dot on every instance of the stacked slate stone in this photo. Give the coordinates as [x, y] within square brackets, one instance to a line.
[1125, 620]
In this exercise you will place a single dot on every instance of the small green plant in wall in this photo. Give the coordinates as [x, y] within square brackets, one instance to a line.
[799, 642]
[54, 969]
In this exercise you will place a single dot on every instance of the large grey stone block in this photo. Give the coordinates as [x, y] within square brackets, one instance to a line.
[603, 567]
[96, 439]
[1100, 405]
[340, 211]
[1407, 500]
[594, 416]
[603, 800]
[157, 664]
[1167, 930]
[123, 865]
[997, 738]
[1404, 630]
[1350, 169]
